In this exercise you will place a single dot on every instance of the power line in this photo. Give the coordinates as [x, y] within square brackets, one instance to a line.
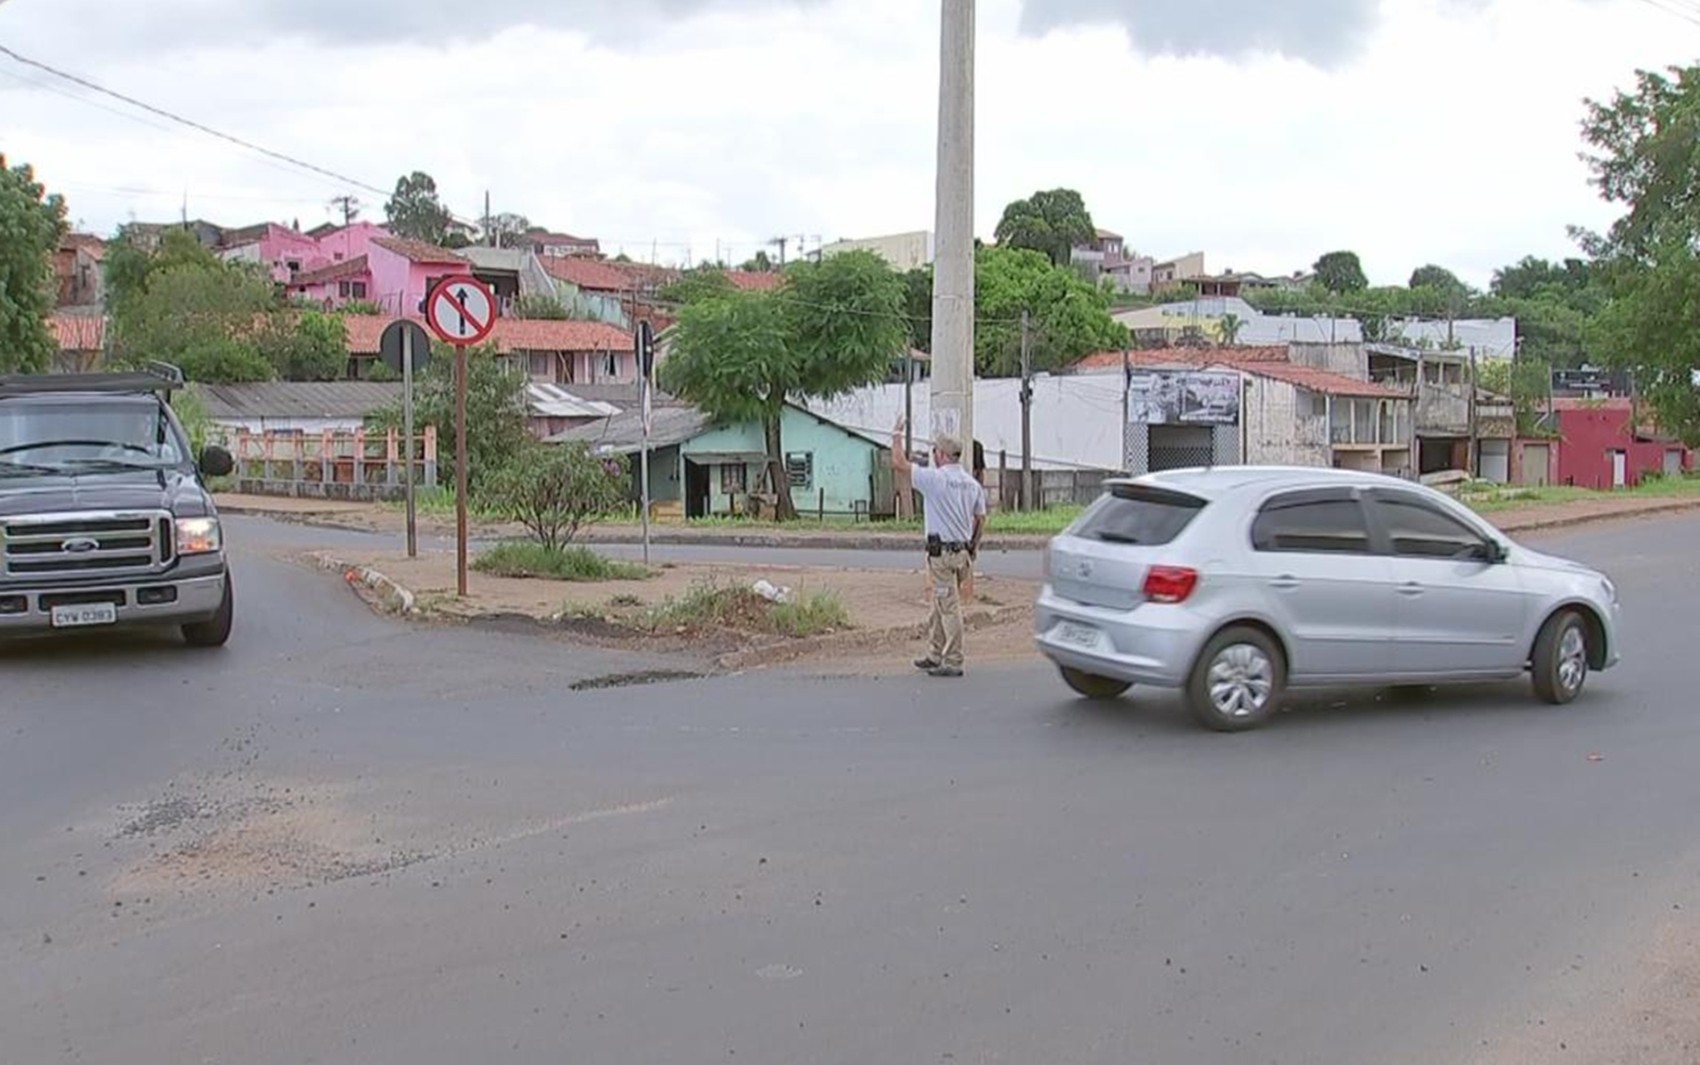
[190, 123]
[341, 179]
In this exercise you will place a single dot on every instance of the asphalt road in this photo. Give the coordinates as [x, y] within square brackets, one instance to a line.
[345, 840]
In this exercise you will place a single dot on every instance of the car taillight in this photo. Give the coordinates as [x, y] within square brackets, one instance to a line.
[1169, 584]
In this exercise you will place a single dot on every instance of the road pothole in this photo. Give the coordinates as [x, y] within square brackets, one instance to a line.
[633, 680]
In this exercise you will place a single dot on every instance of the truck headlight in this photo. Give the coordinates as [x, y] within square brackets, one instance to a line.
[198, 536]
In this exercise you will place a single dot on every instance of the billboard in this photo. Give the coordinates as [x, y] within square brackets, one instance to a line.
[1183, 397]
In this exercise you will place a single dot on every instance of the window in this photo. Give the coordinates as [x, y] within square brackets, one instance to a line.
[800, 468]
[1312, 524]
[1136, 514]
[351, 289]
[734, 479]
[1415, 529]
[609, 363]
[293, 266]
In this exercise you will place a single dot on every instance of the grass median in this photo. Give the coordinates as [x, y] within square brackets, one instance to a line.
[520, 559]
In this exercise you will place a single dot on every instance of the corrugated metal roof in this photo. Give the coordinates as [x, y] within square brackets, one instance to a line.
[553, 401]
[297, 399]
[623, 433]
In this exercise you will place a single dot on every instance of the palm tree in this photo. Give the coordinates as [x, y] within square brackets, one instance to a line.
[1231, 326]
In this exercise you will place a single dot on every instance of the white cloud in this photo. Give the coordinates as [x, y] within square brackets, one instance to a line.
[1440, 130]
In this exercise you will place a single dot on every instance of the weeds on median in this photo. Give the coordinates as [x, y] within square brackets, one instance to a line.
[561, 564]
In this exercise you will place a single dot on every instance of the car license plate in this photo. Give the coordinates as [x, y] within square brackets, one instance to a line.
[1084, 636]
[83, 614]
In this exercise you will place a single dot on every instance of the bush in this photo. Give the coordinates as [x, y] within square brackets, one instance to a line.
[557, 564]
[710, 604]
[554, 489]
[497, 428]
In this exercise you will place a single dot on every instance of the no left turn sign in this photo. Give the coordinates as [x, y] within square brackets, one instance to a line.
[461, 310]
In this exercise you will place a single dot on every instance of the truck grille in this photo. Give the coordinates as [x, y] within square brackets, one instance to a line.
[86, 545]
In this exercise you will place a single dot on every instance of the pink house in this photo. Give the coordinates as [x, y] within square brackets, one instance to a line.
[284, 252]
[363, 262]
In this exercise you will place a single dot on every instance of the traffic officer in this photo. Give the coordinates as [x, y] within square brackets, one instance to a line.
[955, 518]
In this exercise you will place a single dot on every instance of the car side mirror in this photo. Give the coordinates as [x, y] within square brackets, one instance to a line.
[216, 461]
[1492, 552]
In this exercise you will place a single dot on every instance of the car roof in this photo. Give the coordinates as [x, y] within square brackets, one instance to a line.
[1214, 482]
[81, 398]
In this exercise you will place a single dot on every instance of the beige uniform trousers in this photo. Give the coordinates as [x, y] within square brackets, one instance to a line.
[944, 625]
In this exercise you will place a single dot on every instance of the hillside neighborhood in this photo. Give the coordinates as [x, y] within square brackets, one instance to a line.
[1406, 394]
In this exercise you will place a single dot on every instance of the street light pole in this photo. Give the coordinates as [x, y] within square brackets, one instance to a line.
[953, 267]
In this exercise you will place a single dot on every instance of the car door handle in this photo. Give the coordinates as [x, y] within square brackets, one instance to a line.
[1284, 581]
[1410, 588]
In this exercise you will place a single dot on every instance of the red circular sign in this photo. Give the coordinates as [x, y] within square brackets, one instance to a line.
[461, 310]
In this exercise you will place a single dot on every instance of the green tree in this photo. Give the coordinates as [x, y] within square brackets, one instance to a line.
[414, 211]
[1232, 325]
[306, 346]
[831, 327]
[696, 285]
[1443, 281]
[541, 305]
[918, 307]
[1340, 271]
[207, 319]
[1053, 222]
[497, 427]
[507, 230]
[31, 223]
[554, 490]
[1068, 317]
[759, 263]
[1642, 158]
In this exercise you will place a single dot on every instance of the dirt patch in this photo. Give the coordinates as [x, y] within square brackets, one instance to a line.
[1651, 1016]
[273, 837]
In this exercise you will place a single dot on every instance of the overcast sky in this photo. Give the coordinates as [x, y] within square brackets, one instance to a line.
[1261, 133]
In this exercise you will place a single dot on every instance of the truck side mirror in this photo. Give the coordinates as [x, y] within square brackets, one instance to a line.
[216, 461]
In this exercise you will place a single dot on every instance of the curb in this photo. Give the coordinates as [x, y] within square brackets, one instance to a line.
[1672, 507]
[391, 597]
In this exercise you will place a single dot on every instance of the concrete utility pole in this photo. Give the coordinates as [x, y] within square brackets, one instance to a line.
[953, 266]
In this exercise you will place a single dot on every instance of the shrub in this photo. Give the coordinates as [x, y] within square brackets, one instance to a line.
[554, 490]
[558, 563]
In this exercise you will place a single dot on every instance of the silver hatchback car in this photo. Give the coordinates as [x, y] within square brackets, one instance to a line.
[1238, 582]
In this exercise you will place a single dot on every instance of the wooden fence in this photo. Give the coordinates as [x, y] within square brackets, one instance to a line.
[331, 465]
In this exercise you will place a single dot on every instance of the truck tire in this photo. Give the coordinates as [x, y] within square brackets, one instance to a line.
[215, 631]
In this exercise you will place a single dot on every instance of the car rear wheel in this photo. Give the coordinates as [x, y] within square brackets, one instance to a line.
[1559, 666]
[1091, 685]
[1236, 683]
[215, 631]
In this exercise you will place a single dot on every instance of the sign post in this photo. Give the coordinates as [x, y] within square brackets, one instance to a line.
[462, 311]
[645, 349]
[405, 347]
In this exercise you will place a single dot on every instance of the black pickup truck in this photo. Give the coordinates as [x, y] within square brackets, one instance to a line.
[104, 517]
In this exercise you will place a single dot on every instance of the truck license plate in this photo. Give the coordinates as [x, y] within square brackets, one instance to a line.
[83, 614]
[1078, 635]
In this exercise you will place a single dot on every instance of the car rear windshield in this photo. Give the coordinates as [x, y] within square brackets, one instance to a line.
[1138, 514]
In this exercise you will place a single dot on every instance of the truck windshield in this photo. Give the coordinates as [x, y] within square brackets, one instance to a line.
[52, 437]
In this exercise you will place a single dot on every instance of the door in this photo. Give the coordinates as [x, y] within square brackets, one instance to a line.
[1537, 464]
[698, 501]
[1494, 461]
[1329, 595]
[1619, 468]
[1458, 612]
[1673, 462]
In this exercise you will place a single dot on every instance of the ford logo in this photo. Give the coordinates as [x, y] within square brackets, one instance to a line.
[80, 545]
[1084, 567]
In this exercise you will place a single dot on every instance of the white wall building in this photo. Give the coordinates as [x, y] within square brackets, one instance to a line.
[904, 251]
